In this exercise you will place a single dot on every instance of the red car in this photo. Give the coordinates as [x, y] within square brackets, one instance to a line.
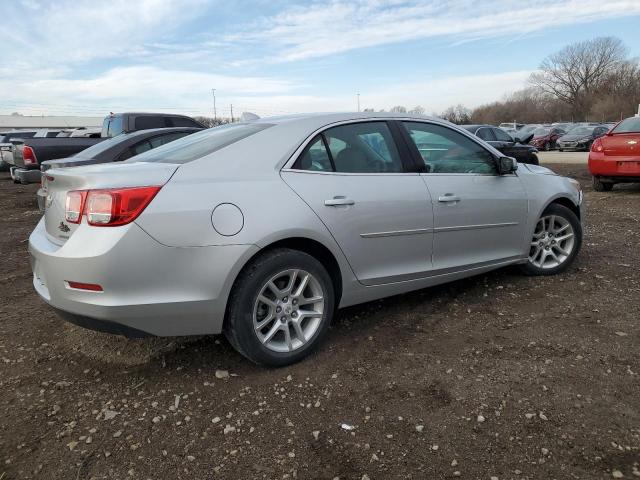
[615, 158]
[544, 138]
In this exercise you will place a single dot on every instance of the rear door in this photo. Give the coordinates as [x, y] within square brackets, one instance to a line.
[356, 177]
[479, 216]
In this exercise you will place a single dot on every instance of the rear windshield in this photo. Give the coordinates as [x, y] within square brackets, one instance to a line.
[628, 125]
[197, 145]
[100, 147]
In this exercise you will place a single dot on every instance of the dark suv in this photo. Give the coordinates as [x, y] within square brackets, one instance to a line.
[117, 123]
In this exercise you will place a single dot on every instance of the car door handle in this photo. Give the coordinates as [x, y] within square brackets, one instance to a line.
[448, 197]
[338, 201]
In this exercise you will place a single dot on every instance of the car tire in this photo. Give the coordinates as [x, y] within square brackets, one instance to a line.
[534, 160]
[279, 311]
[600, 186]
[560, 221]
[547, 147]
[560, 150]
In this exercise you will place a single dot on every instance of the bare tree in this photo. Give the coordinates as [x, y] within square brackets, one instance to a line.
[398, 109]
[576, 73]
[458, 114]
[417, 110]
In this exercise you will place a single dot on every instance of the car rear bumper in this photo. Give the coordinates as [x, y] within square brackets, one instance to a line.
[148, 288]
[601, 166]
[23, 175]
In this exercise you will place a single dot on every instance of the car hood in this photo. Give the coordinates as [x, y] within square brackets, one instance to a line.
[537, 169]
[573, 138]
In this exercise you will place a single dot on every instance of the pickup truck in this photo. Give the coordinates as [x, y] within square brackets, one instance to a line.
[28, 154]
[7, 140]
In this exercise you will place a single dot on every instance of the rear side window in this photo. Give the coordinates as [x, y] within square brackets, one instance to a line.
[141, 147]
[184, 122]
[147, 122]
[366, 147]
[198, 145]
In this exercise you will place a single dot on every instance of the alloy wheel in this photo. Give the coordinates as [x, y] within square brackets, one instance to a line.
[552, 243]
[289, 310]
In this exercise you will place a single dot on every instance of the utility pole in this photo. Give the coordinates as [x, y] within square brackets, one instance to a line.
[215, 117]
[232, 113]
[358, 95]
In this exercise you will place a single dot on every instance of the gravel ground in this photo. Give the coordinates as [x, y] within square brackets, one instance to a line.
[499, 375]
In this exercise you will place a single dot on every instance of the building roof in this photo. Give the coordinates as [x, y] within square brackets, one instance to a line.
[11, 122]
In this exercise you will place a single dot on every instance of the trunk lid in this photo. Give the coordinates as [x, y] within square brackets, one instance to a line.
[57, 182]
[622, 145]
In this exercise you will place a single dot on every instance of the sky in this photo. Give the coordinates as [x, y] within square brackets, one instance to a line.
[272, 57]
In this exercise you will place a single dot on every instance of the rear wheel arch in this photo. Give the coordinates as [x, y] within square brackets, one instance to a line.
[309, 246]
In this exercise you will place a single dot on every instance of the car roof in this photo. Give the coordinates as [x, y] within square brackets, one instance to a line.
[152, 131]
[319, 120]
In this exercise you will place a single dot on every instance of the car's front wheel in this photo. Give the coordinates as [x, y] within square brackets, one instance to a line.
[556, 241]
[280, 308]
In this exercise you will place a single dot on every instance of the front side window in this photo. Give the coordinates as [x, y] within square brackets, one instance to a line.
[366, 147]
[444, 150]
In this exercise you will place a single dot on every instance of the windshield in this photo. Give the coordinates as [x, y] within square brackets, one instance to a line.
[628, 125]
[541, 132]
[581, 131]
[199, 144]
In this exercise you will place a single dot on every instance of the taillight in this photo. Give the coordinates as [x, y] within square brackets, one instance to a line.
[109, 207]
[29, 156]
[74, 205]
[597, 146]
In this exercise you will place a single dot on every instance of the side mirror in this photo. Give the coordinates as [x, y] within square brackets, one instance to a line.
[507, 165]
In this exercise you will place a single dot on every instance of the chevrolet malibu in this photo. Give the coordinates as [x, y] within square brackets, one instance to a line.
[261, 230]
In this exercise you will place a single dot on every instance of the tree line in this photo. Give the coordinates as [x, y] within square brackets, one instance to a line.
[594, 80]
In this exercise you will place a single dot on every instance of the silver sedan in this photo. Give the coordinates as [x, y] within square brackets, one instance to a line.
[260, 230]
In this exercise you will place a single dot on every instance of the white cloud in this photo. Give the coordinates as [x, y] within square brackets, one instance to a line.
[39, 32]
[322, 29]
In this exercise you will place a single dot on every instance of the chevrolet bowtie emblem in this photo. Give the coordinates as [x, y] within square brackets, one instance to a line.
[632, 142]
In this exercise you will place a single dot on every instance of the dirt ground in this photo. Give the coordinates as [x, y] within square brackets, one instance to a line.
[498, 375]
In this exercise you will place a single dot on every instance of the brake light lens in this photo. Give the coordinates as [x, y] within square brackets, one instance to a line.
[109, 207]
[74, 205]
[92, 287]
[597, 146]
[29, 156]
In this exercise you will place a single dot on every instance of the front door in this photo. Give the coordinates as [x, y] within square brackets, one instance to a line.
[479, 216]
[354, 178]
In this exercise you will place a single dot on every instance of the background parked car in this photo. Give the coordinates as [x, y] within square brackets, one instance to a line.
[7, 140]
[505, 143]
[581, 137]
[615, 157]
[544, 138]
[115, 149]
[117, 123]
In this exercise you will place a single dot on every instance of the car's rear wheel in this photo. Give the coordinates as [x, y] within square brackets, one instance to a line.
[600, 186]
[547, 146]
[280, 308]
[534, 159]
[556, 241]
